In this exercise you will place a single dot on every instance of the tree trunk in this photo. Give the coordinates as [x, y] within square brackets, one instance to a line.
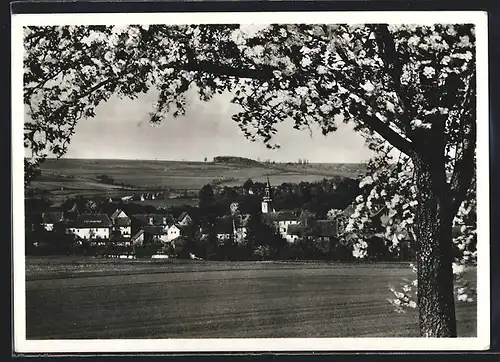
[434, 252]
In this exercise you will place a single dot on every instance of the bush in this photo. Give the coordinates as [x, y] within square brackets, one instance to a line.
[262, 252]
[146, 251]
[106, 179]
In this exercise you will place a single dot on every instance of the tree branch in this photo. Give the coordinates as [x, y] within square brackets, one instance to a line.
[392, 64]
[262, 72]
[382, 128]
[386, 132]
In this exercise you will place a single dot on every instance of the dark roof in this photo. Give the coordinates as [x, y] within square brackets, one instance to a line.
[92, 221]
[158, 219]
[307, 213]
[224, 226]
[153, 230]
[182, 216]
[137, 234]
[295, 230]
[115, 214]
[118, 237]
[281, 216]
[272, 216]
[324, 228]
[123, 221]
[287, 215]
[52, 217]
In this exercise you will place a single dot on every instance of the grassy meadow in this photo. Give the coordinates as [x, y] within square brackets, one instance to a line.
[77, 297]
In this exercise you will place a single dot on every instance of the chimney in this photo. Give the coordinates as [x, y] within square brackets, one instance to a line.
[164, 220]
[150, 220]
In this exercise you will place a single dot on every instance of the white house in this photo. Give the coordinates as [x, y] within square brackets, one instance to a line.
[172, 232]
[122, 223]
[283, 220]
[91, 227]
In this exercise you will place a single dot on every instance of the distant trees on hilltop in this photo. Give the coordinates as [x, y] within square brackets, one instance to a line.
[236, 160]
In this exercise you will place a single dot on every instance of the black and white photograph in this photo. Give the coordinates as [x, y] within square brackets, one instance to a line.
[250, 182]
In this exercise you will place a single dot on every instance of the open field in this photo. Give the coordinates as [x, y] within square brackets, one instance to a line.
[69, 177]
[91, 298]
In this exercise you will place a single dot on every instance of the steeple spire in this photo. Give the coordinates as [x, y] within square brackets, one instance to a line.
[267, 200]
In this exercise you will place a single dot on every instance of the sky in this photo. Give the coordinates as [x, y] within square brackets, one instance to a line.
[121, 130]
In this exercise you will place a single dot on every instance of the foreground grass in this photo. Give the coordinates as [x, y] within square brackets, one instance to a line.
[91, 298]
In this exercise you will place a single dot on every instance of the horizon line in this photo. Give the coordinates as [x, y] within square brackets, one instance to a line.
[186, 160]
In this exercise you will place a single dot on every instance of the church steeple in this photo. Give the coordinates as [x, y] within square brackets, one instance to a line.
[267, 200]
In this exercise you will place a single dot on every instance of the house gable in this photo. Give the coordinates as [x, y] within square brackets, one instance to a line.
[184, 219]
[119, 214]
[173, 228]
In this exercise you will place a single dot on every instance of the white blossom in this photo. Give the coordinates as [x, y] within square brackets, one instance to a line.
[458, 268]
[305, 62]
[390, 106]
[413, 40]
[462, 297]
[258, 50]
[325, 108]
[109, 56]
[321, 69]
[305, 50]
[277, 74]
[368, 87]
[301, 91]
[429, 72]
[366, 181]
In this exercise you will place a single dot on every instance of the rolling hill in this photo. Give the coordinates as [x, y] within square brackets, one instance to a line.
[67, 177]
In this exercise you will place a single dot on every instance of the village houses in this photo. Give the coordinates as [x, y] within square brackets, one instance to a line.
[288, 223]
[163, 228]
[292, 226]
[91, 227]
[119, 228]
[143, 229]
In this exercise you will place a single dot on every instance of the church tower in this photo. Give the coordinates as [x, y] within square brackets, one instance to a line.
[267, 200]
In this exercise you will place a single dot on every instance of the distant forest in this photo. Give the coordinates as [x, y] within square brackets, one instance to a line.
[236, 160]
